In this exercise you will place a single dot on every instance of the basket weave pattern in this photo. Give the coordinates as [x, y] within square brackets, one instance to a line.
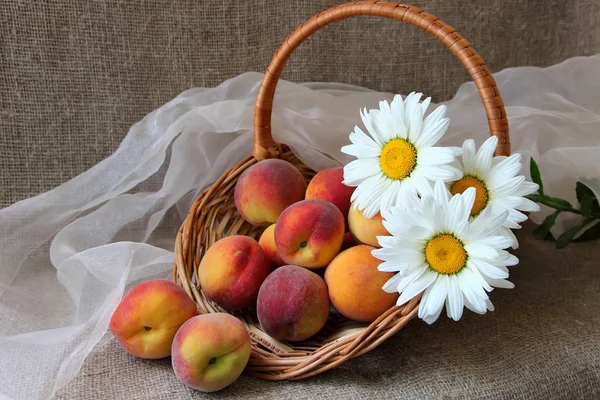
[213, 215]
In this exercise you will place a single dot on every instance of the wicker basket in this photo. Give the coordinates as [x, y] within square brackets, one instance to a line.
[213, 214]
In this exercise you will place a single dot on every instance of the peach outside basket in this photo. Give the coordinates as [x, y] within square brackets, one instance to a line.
[213, 215]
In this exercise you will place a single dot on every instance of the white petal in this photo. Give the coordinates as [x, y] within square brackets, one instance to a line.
[416, 287]
[431, 318]
[526, 188]
[392, 283]
[477, 307]
[435, 156]
[383, 123]
[468, 156]
[485, 154]
[399, 255]
[497, 242]
[507, 168]
[357, 171]
[425, 104]
[489, 270]
[359, 137]
[507, 186]
[432, 133]
[441, 194]
[361, 151]
[480, 250]
[504, 231]
[454, 301]
[445, 172]
[489, 305]
[366, 119]
[390, 196]
[434, 296]
[528, 206]
[486, 223]
[500, 283]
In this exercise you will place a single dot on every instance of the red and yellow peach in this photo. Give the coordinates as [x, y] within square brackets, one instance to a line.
[266, 188]
[210, 351]
[309, 233]
[149, 315]
[232, 271]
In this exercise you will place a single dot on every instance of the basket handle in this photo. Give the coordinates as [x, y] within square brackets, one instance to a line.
[264, 146]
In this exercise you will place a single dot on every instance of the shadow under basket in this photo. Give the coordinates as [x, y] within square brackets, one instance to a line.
[213, 215]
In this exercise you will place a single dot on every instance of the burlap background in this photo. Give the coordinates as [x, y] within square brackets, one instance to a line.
[75, 75]
[542, 342]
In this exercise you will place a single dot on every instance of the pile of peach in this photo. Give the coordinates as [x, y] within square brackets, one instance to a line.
[313, 258]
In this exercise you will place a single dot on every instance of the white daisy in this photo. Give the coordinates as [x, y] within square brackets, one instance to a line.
[437, 249]
[497, 184]
[398, 156]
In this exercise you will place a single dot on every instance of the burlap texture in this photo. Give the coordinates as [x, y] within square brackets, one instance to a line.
[75, 75]
[540, 343]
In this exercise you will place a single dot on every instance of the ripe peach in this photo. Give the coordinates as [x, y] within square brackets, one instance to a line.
[355, 285]
[232, 271]
[309, 233]
[327, 185]
[265, 189]
[365, 230]
[210, 351]
[348, 242]
[292, 303]
[148, 316]
[267, 242]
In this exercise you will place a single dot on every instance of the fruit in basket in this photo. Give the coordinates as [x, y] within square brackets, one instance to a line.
[310, 233]
[265, 189]
[292, 304]
[355, 284]
[267, 242]
[210, 351]
[149, 315]
[232, 271]
[348, 242]
[366, 230]
[327, 185]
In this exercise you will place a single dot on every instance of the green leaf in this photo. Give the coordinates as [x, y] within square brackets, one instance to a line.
[536, 176]
[591, 234]
[556, 203]
[588, 203]
[567, 236]
[542, 231]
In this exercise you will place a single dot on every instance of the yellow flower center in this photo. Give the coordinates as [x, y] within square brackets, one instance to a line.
[398, 159]
[481, 192]
[445, 254]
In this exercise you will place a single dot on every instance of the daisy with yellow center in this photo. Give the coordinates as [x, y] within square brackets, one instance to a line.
[437, 249]
[398, 155]
[496, 183]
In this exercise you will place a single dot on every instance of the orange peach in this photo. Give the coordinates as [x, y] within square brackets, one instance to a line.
[292, 303]
[232, 271]
[267, 242]
[265, 189]
[210, 351]
[149, 315]
[309, 233]
[365, 230]
[355, 285]
[327, 185]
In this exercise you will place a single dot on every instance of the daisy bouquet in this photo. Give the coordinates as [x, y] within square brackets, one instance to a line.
[449, 211]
